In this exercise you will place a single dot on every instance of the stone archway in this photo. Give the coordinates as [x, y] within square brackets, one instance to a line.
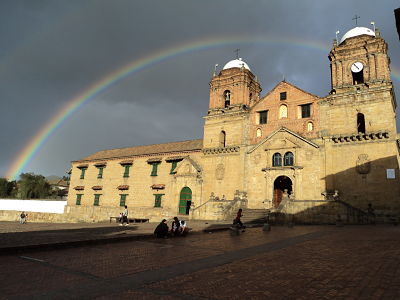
[185, 200]
[282, 187]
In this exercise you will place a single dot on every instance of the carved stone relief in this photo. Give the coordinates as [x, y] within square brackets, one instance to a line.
[220, 172]
[363, 164]
[257, 159]
[309, 155]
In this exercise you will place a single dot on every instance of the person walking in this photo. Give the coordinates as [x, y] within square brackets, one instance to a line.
[125, 215]
[238, 217]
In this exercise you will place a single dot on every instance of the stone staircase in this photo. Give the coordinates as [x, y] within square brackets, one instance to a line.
[250, 216]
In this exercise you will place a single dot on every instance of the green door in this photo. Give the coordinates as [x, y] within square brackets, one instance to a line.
[185, 200]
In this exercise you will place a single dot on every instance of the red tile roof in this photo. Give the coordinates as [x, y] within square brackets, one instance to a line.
[155, 149]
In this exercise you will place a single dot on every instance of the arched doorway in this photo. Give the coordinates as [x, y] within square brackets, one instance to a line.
[281, 184]
[185, 200]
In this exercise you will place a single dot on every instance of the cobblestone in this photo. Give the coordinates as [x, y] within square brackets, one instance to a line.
[304, 262]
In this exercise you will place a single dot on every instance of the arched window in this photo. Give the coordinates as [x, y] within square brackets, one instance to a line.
[222, 139]
[360, 123]
[227, 98]
[288, 159]
[310, 126]
[277, 160]
[259, 132]
[283, 111]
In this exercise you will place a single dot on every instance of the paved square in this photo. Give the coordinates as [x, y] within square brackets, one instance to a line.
[304, 262]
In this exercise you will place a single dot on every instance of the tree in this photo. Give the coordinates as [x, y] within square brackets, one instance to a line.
[7, 188]
[3, 187]
[31, 186]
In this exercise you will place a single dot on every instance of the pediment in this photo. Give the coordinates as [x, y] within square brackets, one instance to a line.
[283, 138]
[187, 167]
[281, 141]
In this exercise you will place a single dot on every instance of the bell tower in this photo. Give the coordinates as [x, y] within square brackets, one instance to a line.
[361, 99]
[359, 59]
[232, 92]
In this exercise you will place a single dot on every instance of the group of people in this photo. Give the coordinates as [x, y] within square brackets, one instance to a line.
[178, 228]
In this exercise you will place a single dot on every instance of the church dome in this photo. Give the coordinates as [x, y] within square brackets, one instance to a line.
[356, 31]
[236, 63]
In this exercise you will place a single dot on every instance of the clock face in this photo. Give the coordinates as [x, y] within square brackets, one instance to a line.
[357, 67]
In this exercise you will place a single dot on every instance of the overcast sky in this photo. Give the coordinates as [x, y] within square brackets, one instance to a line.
[51, 50]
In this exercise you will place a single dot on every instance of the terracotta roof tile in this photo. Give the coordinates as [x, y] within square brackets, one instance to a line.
[155, 149]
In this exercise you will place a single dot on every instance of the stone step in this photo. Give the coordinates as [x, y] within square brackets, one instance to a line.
[251, 215]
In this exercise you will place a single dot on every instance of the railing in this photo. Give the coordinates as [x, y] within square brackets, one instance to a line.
[361, 216]
[220, 208]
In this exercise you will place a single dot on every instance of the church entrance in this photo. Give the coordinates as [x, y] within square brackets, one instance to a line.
[282, 184]
[185, 200]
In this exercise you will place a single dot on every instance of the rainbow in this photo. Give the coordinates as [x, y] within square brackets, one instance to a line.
[25, 156]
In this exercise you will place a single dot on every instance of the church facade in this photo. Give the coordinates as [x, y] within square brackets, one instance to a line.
[289, 151]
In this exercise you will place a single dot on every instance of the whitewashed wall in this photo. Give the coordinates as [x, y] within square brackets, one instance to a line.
[33, 205]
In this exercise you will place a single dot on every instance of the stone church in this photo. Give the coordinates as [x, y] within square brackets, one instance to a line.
[288, 152]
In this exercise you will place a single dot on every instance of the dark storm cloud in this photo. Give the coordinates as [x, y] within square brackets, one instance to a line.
[53, 50]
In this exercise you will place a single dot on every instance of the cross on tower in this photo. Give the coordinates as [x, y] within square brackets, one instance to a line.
[237, 53]
[355, 18]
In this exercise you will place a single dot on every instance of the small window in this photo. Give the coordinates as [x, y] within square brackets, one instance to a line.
[227, 98]
[122, 199]
[288, 159]
[360, 123]
[96, 199]
[222, 139]
[154, 168]
[277, 160]
[100, 175]
[157, 200]
[259, 133]
[78, 199]
[282, 96]
[283, 111]
[310, 126]
[83, 171]
[126, 170]
[263, 117]
[305, 110]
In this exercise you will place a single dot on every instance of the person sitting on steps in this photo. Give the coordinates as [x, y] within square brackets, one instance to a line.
[161, 230]
[175, 228]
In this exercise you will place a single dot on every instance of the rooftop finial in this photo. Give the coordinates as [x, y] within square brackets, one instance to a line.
[237, 53]
[356, 18]
[373, 24]
[215, 70]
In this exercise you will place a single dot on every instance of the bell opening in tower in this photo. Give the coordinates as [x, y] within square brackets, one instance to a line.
[227, 98]
[358, 77]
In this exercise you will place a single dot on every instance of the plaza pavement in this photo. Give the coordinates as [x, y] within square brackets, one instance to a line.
[21, 237]
[302, 262]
